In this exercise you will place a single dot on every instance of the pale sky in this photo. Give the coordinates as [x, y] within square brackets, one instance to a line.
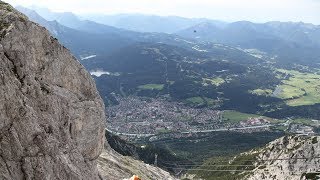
[227, 10]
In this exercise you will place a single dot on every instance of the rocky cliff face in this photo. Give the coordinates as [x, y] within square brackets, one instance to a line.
[288, 158]
[51, 115]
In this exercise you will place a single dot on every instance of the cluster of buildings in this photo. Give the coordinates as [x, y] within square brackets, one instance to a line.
[138, 116]
[301, 129]
[255, 122]
[149, 115]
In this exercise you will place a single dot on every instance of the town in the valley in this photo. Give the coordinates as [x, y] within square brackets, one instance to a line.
[142, 116]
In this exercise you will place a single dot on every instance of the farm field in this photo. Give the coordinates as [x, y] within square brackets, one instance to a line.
[299, 89]
[151, 87]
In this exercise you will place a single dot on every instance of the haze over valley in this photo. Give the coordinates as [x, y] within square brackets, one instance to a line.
[199, 91]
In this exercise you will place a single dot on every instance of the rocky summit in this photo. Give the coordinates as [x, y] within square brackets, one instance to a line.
[51, 115]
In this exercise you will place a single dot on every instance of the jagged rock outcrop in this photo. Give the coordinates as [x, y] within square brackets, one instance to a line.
[51, 115]
[288, 158]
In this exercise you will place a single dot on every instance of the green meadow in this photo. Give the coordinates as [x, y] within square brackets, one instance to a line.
[300, 88]
[158, 87]
[214, 81]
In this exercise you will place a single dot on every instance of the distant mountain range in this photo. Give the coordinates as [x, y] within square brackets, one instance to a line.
[244, 30]
[150, 23]
[288, 41]
[248, 34]
[133, 22]
[85, 37]
[225, 65]
[83, 41]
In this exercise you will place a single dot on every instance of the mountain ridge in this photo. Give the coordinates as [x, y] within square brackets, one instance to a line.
[81, 43]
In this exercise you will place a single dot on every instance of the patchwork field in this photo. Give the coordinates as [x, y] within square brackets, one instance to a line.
[299, 88]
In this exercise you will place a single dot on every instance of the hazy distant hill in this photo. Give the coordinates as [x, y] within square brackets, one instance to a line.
[70, 20]
[150, 23]
[290, 42]
[133, 22]
[238, 33]
[86, 37]
[81, 42]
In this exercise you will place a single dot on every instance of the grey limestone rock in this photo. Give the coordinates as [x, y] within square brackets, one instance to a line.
[114, 166]
[292, 158]
[51, 115]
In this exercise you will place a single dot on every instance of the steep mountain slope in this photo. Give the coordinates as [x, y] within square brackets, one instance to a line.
[65, 18]
[52, 117]
[145, 152]
[289, 158]
[113, 166]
